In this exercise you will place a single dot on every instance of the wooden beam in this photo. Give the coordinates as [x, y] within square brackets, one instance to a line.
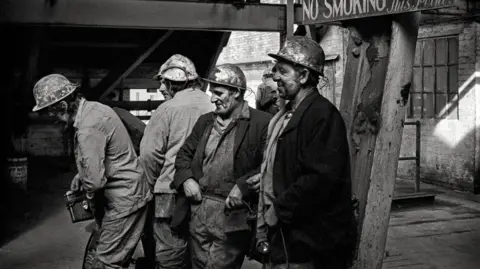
[80, 44]
[363, 84]
[223, 42]
[388, 142]
[134, 105]
[114, 78]
[175, 15]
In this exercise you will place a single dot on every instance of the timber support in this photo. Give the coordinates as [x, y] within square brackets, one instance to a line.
[378, 72]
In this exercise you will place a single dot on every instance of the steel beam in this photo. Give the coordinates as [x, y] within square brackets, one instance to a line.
[140, 14]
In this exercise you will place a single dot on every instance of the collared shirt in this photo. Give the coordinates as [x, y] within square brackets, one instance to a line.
[166, 132]
[106, 159]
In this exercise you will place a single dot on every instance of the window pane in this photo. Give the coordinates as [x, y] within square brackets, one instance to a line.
[453, 79]
[409, 106]
[416, 100]
[417, 79]
[428, 79]
[452, 50]
[442, 79]
[428, 105]
[453, 109]
[440, 103]
[441, 51]
[418, 53]
[428, 52]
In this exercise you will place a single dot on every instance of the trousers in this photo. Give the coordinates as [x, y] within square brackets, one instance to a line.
[212, 248]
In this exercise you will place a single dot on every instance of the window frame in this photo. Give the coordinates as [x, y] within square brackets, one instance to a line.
[450, 93]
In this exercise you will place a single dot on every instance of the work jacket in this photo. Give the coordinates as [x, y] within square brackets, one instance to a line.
[311, 185]
[107, 162]
[166, 132]
[249, 142]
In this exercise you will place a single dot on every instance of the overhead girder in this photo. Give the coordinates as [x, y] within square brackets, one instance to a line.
[140, 14]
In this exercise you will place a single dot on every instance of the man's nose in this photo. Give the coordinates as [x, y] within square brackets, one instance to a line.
[213, 99]
[275, 77]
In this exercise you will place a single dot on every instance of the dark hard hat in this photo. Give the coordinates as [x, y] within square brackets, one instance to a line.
[51, 89]
[228, 75]
[303, 51]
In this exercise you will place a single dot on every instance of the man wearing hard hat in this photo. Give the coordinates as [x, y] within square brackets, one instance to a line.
[165, 133]
[108, 168]
[223, 150]
[305, 213]
[267, 98]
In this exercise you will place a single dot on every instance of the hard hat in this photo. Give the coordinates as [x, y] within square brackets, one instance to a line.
[303, 51]
[228, 75]
[177, 68]
[51, 89]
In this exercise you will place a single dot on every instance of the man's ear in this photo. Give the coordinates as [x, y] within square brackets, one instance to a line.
[236, 93]
[303, 75]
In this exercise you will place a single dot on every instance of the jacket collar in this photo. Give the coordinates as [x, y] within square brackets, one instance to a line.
[300, 110]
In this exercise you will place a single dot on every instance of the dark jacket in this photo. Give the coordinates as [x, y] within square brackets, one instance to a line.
[311, 181]
[250, 140]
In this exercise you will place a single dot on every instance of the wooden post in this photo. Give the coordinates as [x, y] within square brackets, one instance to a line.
[376, 87]
[364, 80]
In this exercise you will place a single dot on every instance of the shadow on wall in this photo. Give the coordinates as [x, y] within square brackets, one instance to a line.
[448, 145]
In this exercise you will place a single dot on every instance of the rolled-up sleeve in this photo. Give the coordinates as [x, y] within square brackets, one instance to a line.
[91, 155]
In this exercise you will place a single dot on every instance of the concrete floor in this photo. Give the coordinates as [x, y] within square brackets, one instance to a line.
[445, 234]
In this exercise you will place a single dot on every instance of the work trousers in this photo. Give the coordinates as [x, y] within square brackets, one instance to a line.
[170, 248]
[119, 238]
[212, 248]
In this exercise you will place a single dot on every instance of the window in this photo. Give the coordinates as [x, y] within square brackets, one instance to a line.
[435, 79]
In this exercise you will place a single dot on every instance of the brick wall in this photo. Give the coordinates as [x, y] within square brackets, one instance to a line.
[448, 146]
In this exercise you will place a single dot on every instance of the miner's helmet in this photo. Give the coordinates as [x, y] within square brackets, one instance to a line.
[177, 68]
[303, 51]
[51, 89]
[228, 75]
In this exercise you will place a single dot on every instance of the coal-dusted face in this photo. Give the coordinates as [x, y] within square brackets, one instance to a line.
[289, 79]
[225, 99]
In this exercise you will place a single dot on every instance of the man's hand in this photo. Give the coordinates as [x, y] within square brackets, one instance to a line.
[254, 182]
[192, 190]
[234, 199]
[76, 185]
